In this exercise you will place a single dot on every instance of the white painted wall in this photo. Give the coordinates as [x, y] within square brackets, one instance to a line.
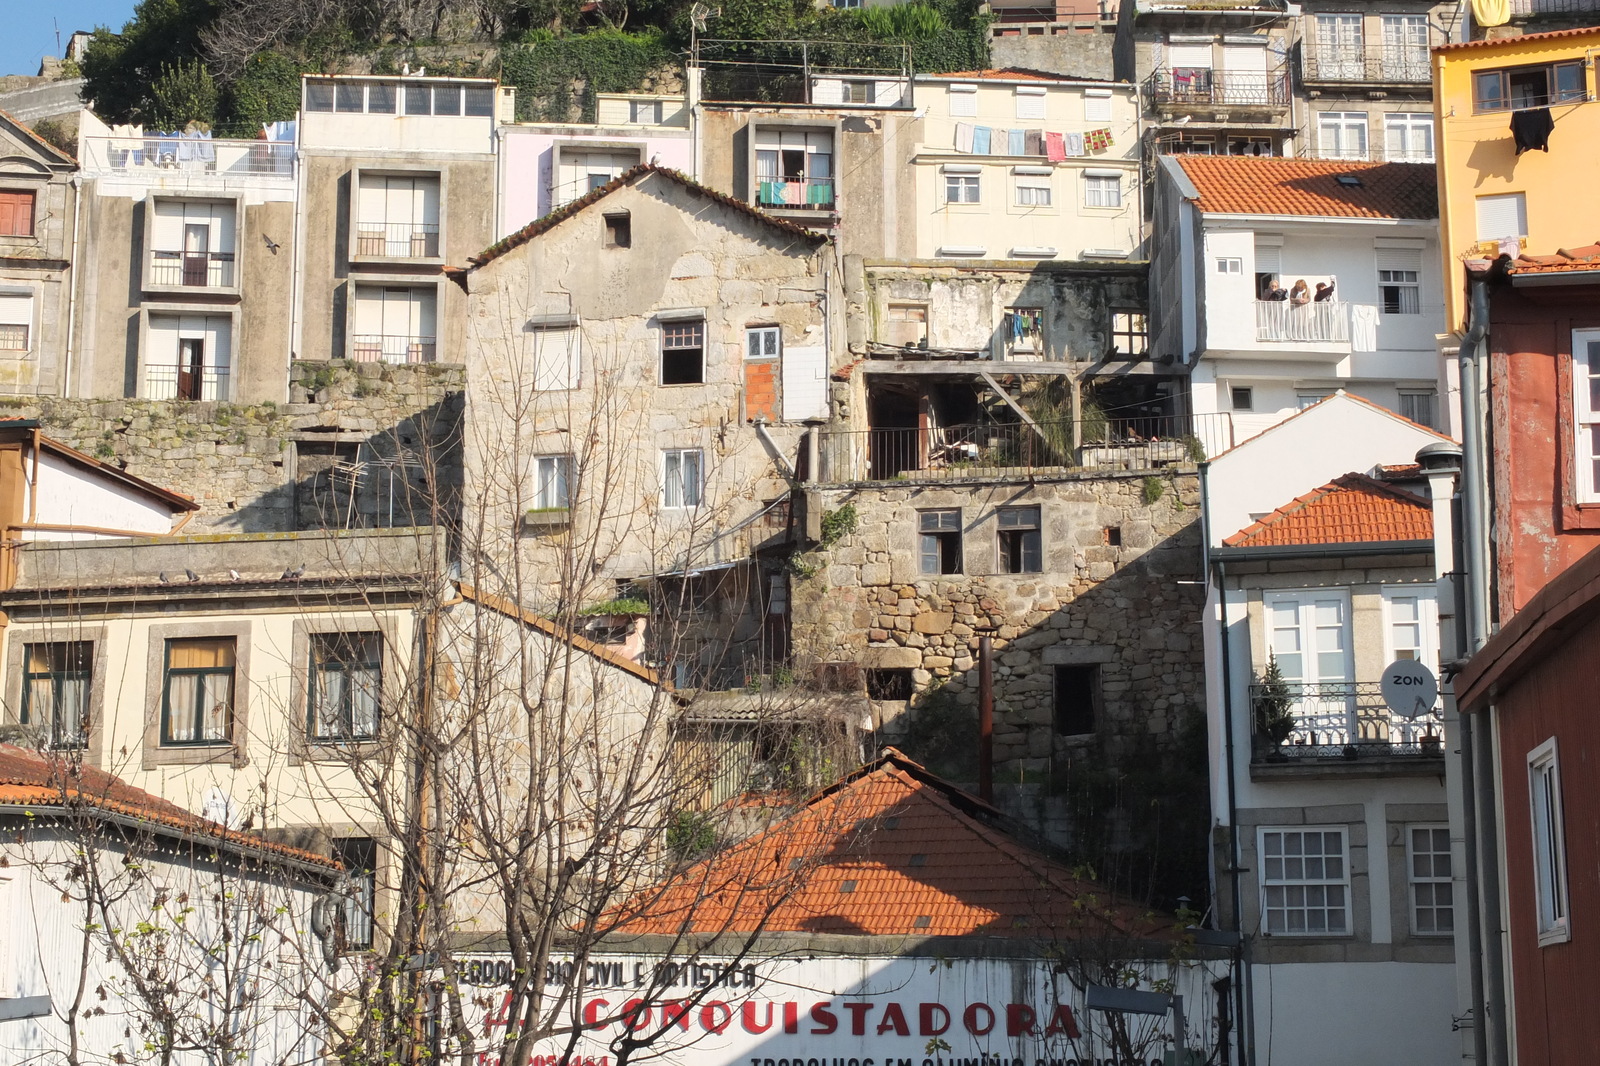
[1309, 1014]
[529, 165]
[70, 495]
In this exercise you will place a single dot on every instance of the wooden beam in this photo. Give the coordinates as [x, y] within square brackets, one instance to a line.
[1014, 405]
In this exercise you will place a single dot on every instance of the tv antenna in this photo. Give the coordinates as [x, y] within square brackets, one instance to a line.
[697, 22]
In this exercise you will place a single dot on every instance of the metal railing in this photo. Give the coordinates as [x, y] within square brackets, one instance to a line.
[1016, 449]
[1282, 321]
[1523, 8]
[1387, 64]
[158, 157]
[802, 193]
[1204, 87]
[398, 240]
[789, 72]
[201, 270]
[1346, 720]
[391, 348]
[174, 382]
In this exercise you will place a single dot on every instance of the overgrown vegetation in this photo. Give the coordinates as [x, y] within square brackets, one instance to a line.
[941, 733]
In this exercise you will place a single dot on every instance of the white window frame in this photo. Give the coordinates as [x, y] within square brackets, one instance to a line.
[1547, 837]
[1586, 414]
[1427, 622]
[1102, 190]
[1515, 202]
[1433, 879]
[1410, 126]
[557, 358]
[963, 188]
[1400, 269]
[1230, 264]
[1337, 127]
[550, 471]
[1340, 885]
[763, 342]
[689, 494]
[1097, 105]
[1034, 184]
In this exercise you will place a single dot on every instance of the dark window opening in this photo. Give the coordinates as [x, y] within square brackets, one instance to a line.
[1077, 699]
[1020, 541]
[939, 541]
[889, 684]
[1113, 536]
[619, 230]
[1524, 87]
[191, 367]
[359, 857]
[683, 353]
[1243, 398]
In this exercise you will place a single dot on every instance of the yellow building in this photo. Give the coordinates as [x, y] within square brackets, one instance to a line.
[1490, 193]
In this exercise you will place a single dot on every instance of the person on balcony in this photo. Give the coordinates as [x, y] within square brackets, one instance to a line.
[1274, 293]
[1300, 295]
[1324, 291]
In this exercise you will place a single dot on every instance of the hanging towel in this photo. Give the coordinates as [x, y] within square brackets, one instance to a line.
[1016, 142]
[768, 193]
[963, 136]
[1098, 140]
[1491, 12]
[1055, 148]
[1033, 142]
[1531, 129]
[980, 140]
[1074, 143]
[819, 192]
[1363, 328]
[794, 192]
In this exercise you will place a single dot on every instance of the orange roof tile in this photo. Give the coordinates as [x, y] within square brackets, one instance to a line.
[1488, 41]
[1247, 185]
[888, 851]
[1353, 509]
[31, 779]
[1575, 260]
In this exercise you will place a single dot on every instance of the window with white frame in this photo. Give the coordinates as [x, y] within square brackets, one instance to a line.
[644, 112]
[1400, 281]
[1549, 843]
[963, 101]
[1102, 190]
[1408, 137]
[961, 186]
[552, 482]
[1502, 217]
[1304, 398]
[1342, 134]
[16, 321]
[762, 342]
[1410, 614]
[1230, 265]
[1586, 413]
[1428, 871]
[683, 348]
[1030, 102]
[681, 477]
[1421, 406]
[1033, 186]
[1305, 882]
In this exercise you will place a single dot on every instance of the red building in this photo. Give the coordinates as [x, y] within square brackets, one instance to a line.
[1535, 679]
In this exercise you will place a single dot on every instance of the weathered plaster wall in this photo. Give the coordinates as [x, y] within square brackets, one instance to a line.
[39, 264]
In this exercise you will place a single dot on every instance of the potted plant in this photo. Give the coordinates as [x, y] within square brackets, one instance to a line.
[1272, 708]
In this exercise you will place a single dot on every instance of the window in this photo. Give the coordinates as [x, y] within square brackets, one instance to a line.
[1033, 190]
[1189, 145]
[847, 3]
[1339, 47]
[939, 541]
[1399, 280]
[1304, 398]
[552, 482]
[1420, 405]
[1097, 105]
[1030, 101]
[394, 324]
[1305, 883]
[557, 354]
[855, 92]
[1253, 146]
[908, 325]
[1230, 265]
[1549, 843]
[1342, 134]
[794, 168]
[644, 112]
[1077, 699]
[683, 353]
[619, 230]
[16, 321]
[1102, 190]
[346, 685]
[1130, 333]
[1502, 217]
[197, 692]
[1520, 87]
[1405, 48]
[1020, 541]
[1243, 397]
[960, 188]
[16, 213]
[1408, 138]
[681, 477]
[359, 857]
[1428, 869]
[397, 216]
[762, 342]
[963, 101]
[1024, 329]
[889, 684]
[1586, 412]
[55, 691]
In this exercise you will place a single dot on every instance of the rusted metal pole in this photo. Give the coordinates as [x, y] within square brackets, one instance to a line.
[985, 722]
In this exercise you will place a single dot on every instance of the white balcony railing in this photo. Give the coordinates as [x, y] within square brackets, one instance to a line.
[398, 240]
[154, 157]
[1279, 321]
[199, 270]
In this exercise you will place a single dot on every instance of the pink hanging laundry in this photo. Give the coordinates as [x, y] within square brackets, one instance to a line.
[1055, 147]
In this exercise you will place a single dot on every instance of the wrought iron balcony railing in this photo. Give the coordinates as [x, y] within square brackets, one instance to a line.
[391, 348]
[1375, 66]
[1345, 720]
[1180, 87]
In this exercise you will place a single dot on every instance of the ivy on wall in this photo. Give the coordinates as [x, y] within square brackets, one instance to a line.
[548, 71]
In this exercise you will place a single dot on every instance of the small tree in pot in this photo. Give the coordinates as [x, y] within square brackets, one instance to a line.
[1272, 707]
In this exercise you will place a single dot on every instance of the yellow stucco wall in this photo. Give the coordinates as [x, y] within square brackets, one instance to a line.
[1477, 157]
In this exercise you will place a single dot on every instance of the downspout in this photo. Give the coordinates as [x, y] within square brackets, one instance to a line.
[72, 284]
[296, 284]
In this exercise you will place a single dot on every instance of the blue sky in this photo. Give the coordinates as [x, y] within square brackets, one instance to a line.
[31, 27]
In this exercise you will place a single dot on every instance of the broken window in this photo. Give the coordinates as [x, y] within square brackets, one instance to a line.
[1077, 699]
[1129, 333]
[683, 353]
[939, 541]
[889, 684]
[908, 325]
[1020, 541]
[1024, 329]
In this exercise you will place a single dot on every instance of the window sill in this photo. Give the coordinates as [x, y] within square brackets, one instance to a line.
[323, 751]
[1552, 937]
[194, 755]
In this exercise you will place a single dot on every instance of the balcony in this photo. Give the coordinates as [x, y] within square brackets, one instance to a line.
[1013, 450]
[191, 270]
[795, 194]
[184, 161]
[175, 382]
[1346, 723]
[1198, 88]
[397, 240]
[1535, 8]
[391, 348]
[1281, 322]
[1371, 66]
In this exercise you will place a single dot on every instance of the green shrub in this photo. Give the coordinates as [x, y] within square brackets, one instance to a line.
[545, 69]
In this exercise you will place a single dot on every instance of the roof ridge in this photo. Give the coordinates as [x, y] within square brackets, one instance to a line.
[33, 135]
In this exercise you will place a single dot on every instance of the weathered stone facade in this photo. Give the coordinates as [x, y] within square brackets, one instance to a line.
[246, 465]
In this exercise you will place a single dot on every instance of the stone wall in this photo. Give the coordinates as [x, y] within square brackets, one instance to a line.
[240, 463]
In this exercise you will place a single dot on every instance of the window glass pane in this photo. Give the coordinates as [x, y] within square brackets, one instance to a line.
[348, 96]
[447, 99]
[380, 98]
[319, 96]
[418, 99]
[480, 103]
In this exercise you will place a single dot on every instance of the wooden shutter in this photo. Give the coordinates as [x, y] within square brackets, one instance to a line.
[16, 214]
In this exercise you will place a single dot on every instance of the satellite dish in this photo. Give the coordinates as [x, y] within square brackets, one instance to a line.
[1409, 688]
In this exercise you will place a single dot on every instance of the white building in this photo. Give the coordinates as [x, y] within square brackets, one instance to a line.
[1228, 229]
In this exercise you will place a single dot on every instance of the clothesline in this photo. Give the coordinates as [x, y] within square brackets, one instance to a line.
[1056, 147]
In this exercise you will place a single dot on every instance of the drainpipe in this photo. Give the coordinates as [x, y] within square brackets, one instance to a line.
[1477, 751]
[72, 284]
[985, 720]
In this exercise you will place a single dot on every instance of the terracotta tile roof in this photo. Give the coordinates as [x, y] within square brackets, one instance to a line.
[1001, 74]
[1353, 509]
[566, 211]
[1246, 185]
[1583, 258]
[1486, 42]
[30, 779]
[890, 850]
[27, 131]
[552, 629]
